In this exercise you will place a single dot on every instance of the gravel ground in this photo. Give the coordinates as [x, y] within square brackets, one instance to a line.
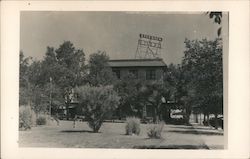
[112, 135]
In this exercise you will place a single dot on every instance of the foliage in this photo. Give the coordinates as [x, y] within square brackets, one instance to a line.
[23, 69]
[136, 93]
[217, 17]
[203, 64]
[130, 90]
[96, 103]
[155, 130]
[50, 81]
[99, 71]
[178, 121]
[153, 94]
[41, 119]
[132, 126]
[26, 118]
[23, 79]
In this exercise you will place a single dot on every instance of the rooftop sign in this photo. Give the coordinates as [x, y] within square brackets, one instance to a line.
[145, 36]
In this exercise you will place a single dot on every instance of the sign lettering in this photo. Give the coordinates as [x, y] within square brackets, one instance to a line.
[145, 36]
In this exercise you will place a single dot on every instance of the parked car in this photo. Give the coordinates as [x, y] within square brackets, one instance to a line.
[220, 122]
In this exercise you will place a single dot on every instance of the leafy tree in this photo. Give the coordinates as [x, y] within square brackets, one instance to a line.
[99, 71]
[203, 63]
[51, 80]
[23, 79]
[171, 83]
[132, 100]
[97, 103]
[154, 92]
[23, 69]
[66, 67]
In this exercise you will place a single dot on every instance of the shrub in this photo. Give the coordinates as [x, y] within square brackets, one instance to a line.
[132, 126]
[178, 121]
[41, 120]
[97, 103]
[155, 130]
[26, 116]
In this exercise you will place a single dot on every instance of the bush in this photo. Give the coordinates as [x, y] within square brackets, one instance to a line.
[178, 121]
[41, 120]
[97, 103]
[155, 130]
[26, 117]
[132, 126]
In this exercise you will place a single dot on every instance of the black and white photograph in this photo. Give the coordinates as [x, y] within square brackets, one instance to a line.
[125, 79]
[130, 80]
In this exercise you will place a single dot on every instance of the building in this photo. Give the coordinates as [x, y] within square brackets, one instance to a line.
[145, 69]
[148, 70]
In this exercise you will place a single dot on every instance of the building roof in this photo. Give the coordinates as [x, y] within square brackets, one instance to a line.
[137, 63]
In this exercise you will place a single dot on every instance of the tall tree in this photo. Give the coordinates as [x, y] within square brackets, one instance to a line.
[203, 62]
[71, 69]
[99, 71]
[23, 79]
[52, 79]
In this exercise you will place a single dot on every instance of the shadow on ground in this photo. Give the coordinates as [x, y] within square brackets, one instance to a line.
[195, 132]
[189, 127]
[78, 131]
[172, 147]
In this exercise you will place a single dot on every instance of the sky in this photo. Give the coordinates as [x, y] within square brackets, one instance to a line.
[116, 33]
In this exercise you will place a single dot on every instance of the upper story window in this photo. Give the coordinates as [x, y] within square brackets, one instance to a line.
[150, 74]
[134, 72]
[117, 73]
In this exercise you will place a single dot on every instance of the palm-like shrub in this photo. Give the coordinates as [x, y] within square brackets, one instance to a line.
[155, 130]
[132, 126]
[26, 117]
[41, 119]
[97, 103]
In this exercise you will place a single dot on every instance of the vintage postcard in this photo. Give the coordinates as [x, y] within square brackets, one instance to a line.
[145, 80]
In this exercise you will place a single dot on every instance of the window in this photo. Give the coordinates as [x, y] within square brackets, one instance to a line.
[117, 73]
[134, 73]
[150, 75]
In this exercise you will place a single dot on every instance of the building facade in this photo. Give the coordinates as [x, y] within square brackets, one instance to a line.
[145, 69]
[148, 70]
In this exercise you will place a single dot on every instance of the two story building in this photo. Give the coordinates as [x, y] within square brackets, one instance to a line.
[145, 69]
[148, 70]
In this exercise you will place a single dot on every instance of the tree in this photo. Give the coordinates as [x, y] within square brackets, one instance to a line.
[217, 17]
[171, 83]
[132, 100]
[203, 63]
[97, 103]
[49, 82]
[66, 67]
[23, 79]
[71, 61]
[99, 71]
[154, 92]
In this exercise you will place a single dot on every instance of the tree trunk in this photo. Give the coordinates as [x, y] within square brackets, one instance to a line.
[208, 122]
[216, 121]
[67, 110]
[187, 115]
